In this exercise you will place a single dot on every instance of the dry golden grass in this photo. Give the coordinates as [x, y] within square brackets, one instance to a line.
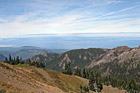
[109, 89]
[25, 78]
[29, 79]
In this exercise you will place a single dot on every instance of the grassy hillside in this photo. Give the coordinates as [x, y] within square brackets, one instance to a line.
[109, 89]
[24, 78]
[29, 79]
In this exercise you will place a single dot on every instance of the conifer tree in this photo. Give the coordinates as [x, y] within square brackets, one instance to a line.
[84, 73]
[13, 61]
[67, 69]
[81, 88]
[6, 60]
[77, 71]
[17, 60]
[10, 59]
[92, 81]
[86, 89]
[131, 85]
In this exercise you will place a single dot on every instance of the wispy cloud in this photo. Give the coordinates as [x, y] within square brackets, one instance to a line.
[122, 10]
[69, 16]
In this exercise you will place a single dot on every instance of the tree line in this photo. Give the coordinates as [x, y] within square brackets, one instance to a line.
[96, 80]
[18, 60]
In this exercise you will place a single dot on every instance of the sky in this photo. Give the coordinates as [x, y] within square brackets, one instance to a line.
[20, 18]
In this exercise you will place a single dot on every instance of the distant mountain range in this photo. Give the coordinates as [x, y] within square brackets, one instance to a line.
[121, 62]
[25, 51]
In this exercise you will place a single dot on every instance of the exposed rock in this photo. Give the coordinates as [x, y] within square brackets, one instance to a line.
[80, 56]
[111, 55]
[66, 58]
[85, 58]
[44, 54]
[93, 63]
[122, 48]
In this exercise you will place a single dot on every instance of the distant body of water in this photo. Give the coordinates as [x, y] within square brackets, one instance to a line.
[73, 42]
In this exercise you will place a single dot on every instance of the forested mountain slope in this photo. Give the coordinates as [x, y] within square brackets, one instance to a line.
[121, 62]
[124, 66]
[82, 58]
[78, 58]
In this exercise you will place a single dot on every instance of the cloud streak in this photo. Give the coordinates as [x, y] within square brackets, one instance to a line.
[66, 16]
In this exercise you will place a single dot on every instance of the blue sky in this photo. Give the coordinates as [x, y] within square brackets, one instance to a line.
[25, 17]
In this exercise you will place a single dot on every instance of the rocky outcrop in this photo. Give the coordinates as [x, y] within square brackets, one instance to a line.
[122, 48]
[65, 59]
[111, 55]
[44, 54]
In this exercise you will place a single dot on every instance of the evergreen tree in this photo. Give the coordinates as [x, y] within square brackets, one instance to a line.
[92, 81]
[77, 72]
[86, 89]
[6, 60]
[17, 60]
[29, 62]
[84, 73]
[81, 88]
[14, 61]
[87, 73]
[21, 61]
[138, 88]
[67, 69]
[131, 85]
[10, 59]
[100, 87]
[124, 84]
